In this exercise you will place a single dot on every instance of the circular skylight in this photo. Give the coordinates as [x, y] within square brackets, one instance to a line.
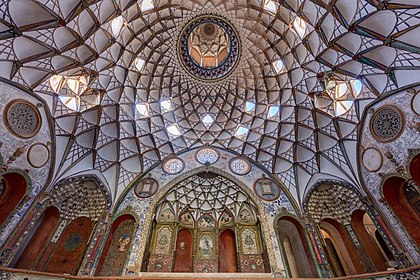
[209, 47]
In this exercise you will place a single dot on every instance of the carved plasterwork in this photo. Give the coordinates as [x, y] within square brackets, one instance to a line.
[387, 123]
[163, 241]
[395, 161]
[14, 151]
[249, 241]
[22, 118]
[81, 196]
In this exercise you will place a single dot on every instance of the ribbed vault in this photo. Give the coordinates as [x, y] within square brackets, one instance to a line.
[120, 100]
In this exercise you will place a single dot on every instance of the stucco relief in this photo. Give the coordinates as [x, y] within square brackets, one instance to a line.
[37, 176]
[397, 151]
[144, 207]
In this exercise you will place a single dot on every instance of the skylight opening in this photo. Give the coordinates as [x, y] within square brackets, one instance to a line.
[357, 87]
[241, 131]
[173, 130]
[278, 65]
[143, 109]
[298, 26]
[139, 63]
[273, 110]
[78, 84]
[57, 82]
[341, 90]
[208, 120]
[147, 5]
[342, 107]
[249, 106]
[73, 103]
[117, 25]
[270, 6]
[165, 105]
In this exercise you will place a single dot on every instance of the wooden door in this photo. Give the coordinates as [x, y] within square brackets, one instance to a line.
[183, 252]
[227, 252]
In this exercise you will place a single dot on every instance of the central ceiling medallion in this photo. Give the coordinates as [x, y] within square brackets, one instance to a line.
[209, 48]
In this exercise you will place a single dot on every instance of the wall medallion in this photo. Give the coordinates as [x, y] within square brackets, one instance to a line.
[387, 124]
[38, 155]
[207, 156]
[205, 246]
[266, 189]
[22, 118]
[372, 159]
[240, 166]
[147, 187]
[173, 165]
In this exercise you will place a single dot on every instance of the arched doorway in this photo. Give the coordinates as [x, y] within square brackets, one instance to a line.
[183, 252]
[340, 249]
[117, 247]
[222, 220]
[365, 230]
[332, 255]
[227, 252]
[400, 198]
[12, 189]
[296, 250]
[331, 207]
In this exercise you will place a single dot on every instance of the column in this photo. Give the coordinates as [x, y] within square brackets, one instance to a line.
[317, 251]
[97, 242]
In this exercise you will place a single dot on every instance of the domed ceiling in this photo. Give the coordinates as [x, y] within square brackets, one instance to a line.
[281, 82]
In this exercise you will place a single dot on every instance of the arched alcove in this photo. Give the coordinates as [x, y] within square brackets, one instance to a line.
[117, 247]
[415, 169]
[222, 219]
[183, 261]
[399, 197]
[365, 230]
[14, 187]
[343, 245]
[330, 205]
[35, 243]
[332, 254]
[58, 238]
[227, 252]
[295, 247]
[71, 247]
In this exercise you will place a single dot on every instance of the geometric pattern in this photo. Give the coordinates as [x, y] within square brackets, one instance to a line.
[94, 62]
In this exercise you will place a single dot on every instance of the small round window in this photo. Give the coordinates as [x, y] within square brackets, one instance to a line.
[240, 166]
[173, 165]
[207, 156]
